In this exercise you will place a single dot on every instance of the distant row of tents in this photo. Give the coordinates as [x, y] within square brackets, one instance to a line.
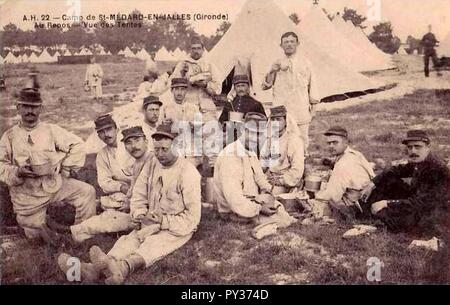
[45, 56]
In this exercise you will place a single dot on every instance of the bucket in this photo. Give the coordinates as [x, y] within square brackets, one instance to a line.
[312, 183]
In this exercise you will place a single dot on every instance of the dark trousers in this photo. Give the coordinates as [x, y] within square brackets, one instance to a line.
[395, 220]
[426, 59]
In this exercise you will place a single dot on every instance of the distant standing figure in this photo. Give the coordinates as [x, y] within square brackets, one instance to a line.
[429, 41]
[94, 76]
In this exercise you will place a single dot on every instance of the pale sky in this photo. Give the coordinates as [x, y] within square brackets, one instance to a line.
[407, 16]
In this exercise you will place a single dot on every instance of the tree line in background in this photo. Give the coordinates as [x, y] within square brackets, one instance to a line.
[151, 36]
[169, 33]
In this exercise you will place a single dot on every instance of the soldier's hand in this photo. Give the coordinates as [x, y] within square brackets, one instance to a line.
[137, 221]
[124, 188]
[268, 210]
[365, 193]
[155, 217]
[26, 172]
[276, 67]
[378, 206]
[201, 83]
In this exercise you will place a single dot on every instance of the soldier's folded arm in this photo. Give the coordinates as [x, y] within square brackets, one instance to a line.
[186, 222]
[70, 144]
[296, 156]
[8, 171]
[214, 86]
[104, 176]
[139, 194]
[232, 190]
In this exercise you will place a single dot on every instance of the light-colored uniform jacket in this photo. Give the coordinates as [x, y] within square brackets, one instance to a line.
[238, 177]
[199, 69]
[94, 75]
[173, 191]
[285, 157]
[351, 171]
[294, 86]
[18, 144]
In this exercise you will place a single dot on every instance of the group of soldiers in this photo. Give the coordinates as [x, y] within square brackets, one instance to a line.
[150, 182]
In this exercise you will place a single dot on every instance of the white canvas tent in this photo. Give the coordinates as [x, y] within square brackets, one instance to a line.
[33, 58]
[121, 52]
[143, 55]
[444, 47]
[163, 55]
[367, 50]
[45, 57]
[240, 44]
[178, 54]
[402, 51]
[2, 60]
[128, 53]
[11, 59]
[85, 51]
[318, 29]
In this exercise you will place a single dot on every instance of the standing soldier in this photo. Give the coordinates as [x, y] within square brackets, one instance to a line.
[429, 41]
[293, 84]
[201, 74]
[93, 78]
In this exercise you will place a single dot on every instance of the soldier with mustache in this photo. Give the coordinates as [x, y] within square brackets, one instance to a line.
[410, 195]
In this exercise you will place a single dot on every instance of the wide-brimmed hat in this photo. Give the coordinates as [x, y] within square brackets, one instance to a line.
[30, 96]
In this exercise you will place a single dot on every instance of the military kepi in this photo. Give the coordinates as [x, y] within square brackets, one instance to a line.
[279, 111]
[151, 99]
[30, 96]
[165, 130]
[132, 132]
[416, 135]
[238, 79]
[337, 131]
[179, 82]
[104, 121]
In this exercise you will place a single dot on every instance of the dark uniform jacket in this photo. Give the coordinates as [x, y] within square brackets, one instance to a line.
[429, 41]
[429, 190]
[242, 104]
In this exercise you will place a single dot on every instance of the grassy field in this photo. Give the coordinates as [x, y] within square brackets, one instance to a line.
[225, 253]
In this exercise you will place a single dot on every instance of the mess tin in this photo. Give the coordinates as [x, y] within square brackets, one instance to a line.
[313, 182]
[236, 116]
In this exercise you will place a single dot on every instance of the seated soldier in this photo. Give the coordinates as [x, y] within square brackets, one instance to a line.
[411, 194]
[165, 204]
[111, 162]
[283, 153]
[243, 192]
[241, 104]
[112, 220]
[151, 107]
[351, 173]
[37, 162]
